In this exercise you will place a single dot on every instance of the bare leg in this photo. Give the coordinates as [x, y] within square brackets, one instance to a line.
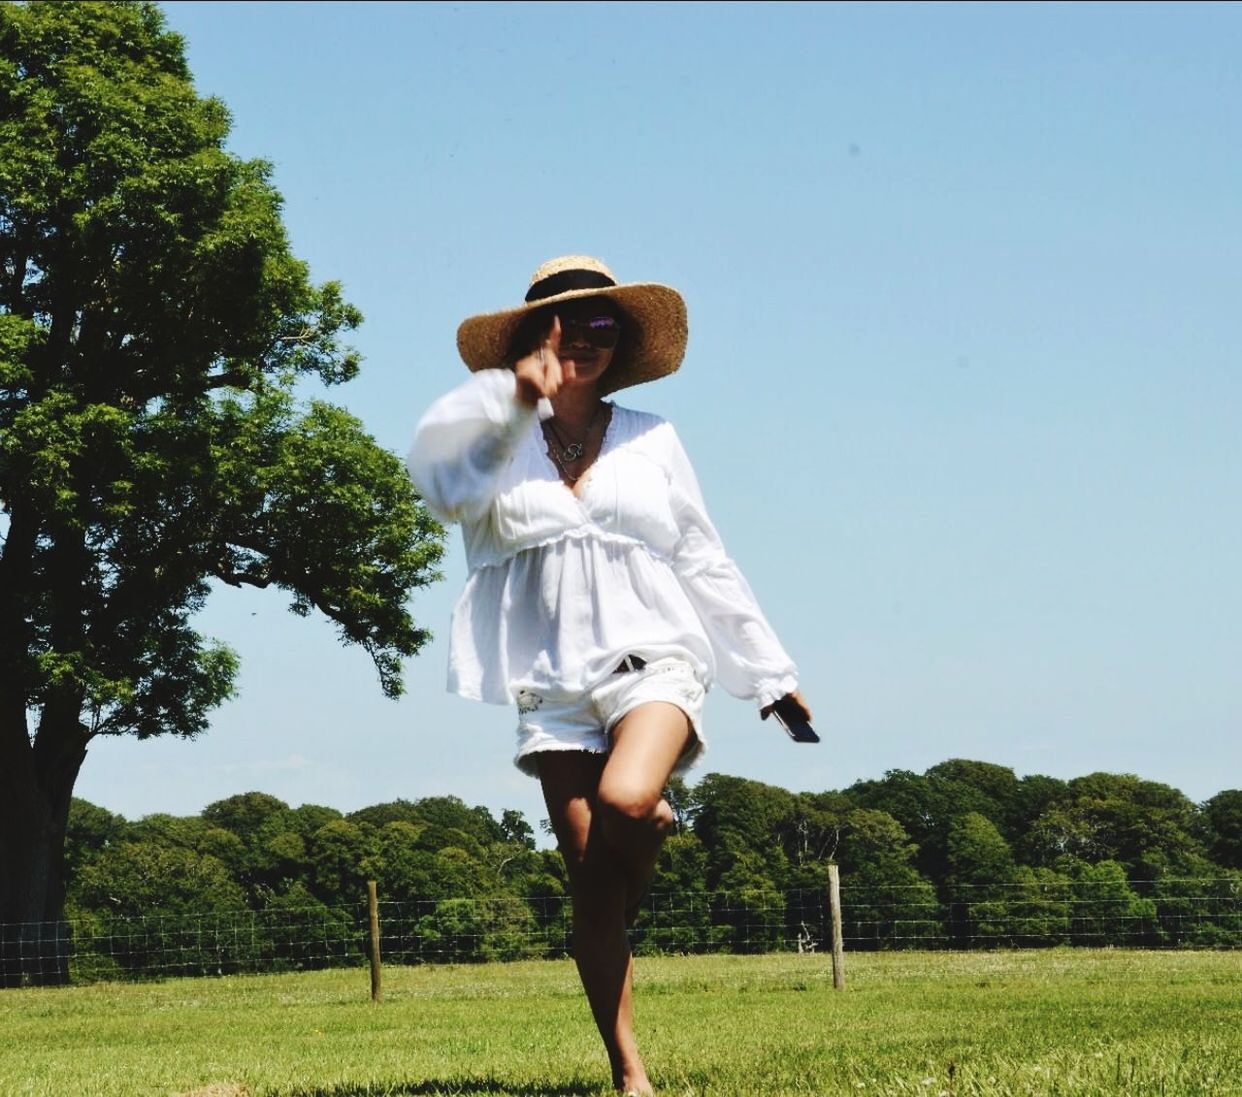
[634, 816]
[597, 886]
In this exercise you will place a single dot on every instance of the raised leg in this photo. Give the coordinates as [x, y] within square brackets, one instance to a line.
[634, 816]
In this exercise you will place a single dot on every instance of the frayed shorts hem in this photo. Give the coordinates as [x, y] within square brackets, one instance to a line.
[586, 723]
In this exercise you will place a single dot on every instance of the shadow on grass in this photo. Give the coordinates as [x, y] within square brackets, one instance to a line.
[453, 1087]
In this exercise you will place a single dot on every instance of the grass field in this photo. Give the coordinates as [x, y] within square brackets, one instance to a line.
[1055, 1022]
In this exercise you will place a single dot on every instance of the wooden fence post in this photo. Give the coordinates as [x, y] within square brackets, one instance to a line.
[377, 992]
[838, 937]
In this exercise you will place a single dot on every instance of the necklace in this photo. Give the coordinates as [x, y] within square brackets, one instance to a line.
[566, 453]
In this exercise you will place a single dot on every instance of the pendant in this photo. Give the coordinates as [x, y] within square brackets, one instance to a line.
[573, 451]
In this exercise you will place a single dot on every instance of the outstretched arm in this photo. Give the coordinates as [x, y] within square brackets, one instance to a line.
[464, 441]
[750, 661]
[466, 437]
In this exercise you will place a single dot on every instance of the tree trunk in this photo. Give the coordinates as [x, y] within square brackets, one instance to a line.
[37, 773]
[36, 788]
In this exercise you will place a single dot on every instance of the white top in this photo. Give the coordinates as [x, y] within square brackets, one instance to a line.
[562, 587]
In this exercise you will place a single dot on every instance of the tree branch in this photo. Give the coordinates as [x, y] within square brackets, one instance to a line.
[243, 578]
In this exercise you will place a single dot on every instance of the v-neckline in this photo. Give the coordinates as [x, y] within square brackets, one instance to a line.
[578, 488]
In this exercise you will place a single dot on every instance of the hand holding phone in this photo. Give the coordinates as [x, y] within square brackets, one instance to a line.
[793, 715]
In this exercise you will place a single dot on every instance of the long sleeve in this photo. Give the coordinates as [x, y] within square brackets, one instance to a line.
[463, 442]
[750, 662]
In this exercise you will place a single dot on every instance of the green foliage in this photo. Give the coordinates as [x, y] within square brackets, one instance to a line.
[890, 903]
[1039, 909]
[1223, 814]
[90, 830]
[1036, 793]
[748, 912]
[998, 789]
[342, 854]
[678, 916]
[245, 813]
[156, 336]
[874, 842]
[749, 875]
[977, 855]
[737, 820]
[1107, 910]
[132, 879]
[173, 893]
[926, 806]
[298, 932]
[1197, 905]
[980, 866]
[1116, 817]
[891, 906]
[447, 814]
[516, 829]
[469, 931]
[226, 847]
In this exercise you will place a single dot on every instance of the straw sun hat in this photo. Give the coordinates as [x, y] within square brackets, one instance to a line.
[653, 338]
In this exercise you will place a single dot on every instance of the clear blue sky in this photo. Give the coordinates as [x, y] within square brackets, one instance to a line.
[964, 382]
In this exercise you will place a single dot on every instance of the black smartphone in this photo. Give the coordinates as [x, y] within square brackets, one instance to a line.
[789, 716]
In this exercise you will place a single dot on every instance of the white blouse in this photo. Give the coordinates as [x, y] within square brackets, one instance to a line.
[562, 587]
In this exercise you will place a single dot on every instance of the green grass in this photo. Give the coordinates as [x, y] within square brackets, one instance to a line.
[1055, 1022]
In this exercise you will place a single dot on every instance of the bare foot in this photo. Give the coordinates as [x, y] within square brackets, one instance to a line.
[631, 1081]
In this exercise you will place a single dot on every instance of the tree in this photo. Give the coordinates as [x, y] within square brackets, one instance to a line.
[1036, 794]
[1107, 911]
[887, 902]
[999, 784]
[89, 831]
[1039, 909]
[927, 806]
[676, 916]
[1223, 814]
[738, 822]
[516, 829]
[343, 854]
[172, 892]
[980, 868]
[442, 813]
[154, 329]
[244, 813]
[1117, 817]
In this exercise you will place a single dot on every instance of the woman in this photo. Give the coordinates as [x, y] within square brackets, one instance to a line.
[600, 600]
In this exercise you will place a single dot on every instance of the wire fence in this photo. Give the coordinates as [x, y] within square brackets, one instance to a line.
[1168, 913]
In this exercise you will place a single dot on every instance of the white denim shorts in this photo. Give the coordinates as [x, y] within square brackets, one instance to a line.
[586, 722]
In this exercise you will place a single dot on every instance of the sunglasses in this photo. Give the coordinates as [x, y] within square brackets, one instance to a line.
[600, 332]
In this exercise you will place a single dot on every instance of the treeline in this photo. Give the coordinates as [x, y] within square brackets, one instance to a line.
[964, 854]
